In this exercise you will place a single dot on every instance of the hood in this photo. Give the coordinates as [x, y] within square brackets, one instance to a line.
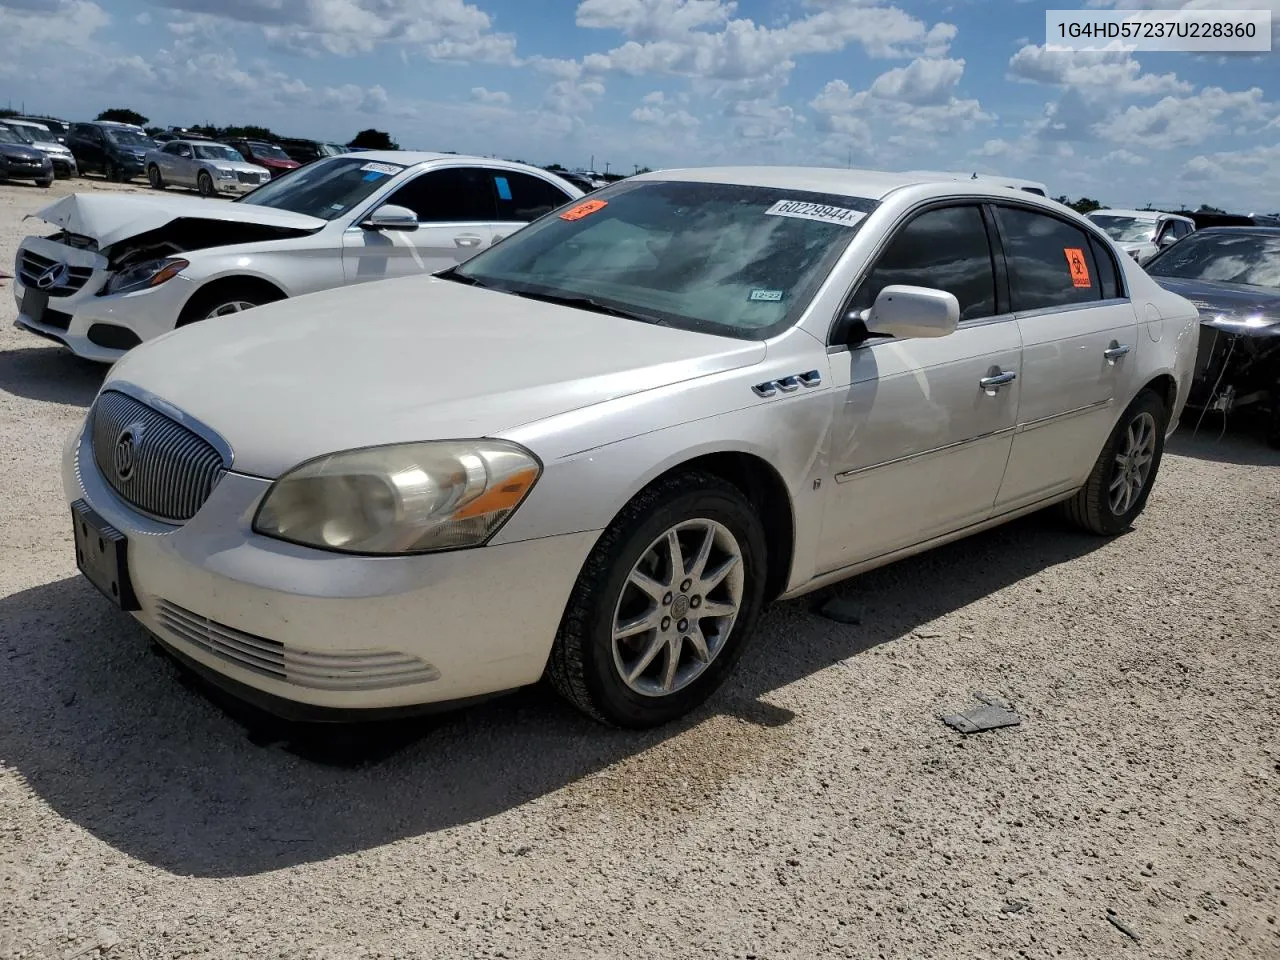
[277, 163]
[414, 358]
[48, 146]
[110, 218]
[240, 166]
[20, 151]
[1231, 307]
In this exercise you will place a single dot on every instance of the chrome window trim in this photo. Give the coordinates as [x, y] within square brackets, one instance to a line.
[1071, 308]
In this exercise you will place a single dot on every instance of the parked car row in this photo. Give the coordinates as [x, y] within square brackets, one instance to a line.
[594, 450]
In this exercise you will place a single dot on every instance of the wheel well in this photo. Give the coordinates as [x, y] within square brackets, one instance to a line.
[764, 488]
[264, 290]
[1166, 388]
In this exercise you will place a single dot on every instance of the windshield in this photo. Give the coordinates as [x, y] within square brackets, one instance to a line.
[728, 259]
[22, 135]
[7, 135]
[1251, 258]
[216, 151]
[128, 138]
[1126, 229]
[326, 188]
[333, 149]
[269, 150]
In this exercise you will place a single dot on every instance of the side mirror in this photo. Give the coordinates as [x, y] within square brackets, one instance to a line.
[389, 216]
[1167, 240]
[901, 311]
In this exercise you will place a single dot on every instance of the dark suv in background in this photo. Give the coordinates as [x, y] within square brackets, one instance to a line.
[21, 161]
[115, 152]
[305, 151]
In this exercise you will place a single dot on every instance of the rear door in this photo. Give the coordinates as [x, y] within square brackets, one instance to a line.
[522, 198]
[87, 146]
[456, 212]
[1079, 336]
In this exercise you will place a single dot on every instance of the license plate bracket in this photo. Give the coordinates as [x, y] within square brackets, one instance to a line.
[102, 555]
[34, 304]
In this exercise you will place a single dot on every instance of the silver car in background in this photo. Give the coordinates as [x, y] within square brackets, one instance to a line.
[209, 167]
[596, 449]
[1143, 233]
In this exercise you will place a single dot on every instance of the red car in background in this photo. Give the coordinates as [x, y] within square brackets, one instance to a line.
[265, 155]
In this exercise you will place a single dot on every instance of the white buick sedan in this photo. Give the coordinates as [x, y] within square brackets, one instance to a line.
[593, 452]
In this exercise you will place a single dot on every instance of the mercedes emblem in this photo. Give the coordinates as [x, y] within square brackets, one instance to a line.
[53, 276]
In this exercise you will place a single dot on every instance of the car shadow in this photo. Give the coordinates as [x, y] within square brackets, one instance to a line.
[50, 374]
[131, 748]
[1239, 439]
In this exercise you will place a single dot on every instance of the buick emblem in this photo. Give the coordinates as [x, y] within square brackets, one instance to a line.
[53, 276]
[124, 457]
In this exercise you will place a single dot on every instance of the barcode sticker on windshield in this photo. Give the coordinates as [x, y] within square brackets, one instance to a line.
[388, 168]
[815, 211]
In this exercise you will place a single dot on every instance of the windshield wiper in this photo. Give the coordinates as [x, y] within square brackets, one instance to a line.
[587, 303]
[453, 274]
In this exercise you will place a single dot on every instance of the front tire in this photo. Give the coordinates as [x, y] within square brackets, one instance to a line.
[665, 604]
[44, 183]
[113, 172]
[226, 299]
[1125, 471]
[154, 178]
[204, 184]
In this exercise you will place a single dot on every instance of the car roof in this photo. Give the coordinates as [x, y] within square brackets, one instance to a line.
[1136, 214]
[865, 184]
[1259, 230]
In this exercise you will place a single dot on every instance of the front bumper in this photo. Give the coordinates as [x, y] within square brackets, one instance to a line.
[71, 320]
[235, 187]
[465, 623]
[64, 166]
[40, 173]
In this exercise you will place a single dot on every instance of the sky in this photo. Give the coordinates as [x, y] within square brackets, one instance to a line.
[962, 85]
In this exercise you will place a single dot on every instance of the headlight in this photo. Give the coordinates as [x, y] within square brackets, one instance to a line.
[405, 498]
[225, 174]
[149, 274]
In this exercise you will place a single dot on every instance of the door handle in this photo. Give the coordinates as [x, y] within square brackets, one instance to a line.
[468, 241]
[1115, 351]
[997, 380]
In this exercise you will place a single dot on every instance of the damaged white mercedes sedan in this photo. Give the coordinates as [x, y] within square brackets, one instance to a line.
[125, 268]
[593, 452]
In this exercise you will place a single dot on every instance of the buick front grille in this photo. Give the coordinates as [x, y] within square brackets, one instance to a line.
[332, 670]
[156, 464]
[32, 266]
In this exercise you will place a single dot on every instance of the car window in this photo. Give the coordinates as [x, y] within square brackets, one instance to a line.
[8, 136]
[456, 195]
[171, 148]
[1107, 270]
[1050, 262]
[1232, 257]
[732, 259]
[1124, 229]
[327, 188]
[946, 249]
[523, 197]
[1181, 229]
[216, 151]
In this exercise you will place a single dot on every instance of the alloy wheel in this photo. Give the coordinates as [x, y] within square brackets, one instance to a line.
[230, 307]
[677, 607]
[1133, 459]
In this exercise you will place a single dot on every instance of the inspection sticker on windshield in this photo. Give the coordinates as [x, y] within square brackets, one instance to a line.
[765, 296]
[815, 211]
[390, 169]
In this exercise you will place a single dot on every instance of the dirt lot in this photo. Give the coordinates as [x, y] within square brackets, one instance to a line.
[818, 808]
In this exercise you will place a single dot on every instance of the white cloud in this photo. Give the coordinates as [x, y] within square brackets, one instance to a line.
[1185, 121]
[1109, 72]
[657, 117]
[490, 96]
[924, 81]
[653, 19]
[1126, 158]
[993, 148]
[657, 96]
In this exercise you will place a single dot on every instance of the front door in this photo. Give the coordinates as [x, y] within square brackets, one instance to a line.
[1079, 335]
[923, 427]
[455, 210]
[522, 198]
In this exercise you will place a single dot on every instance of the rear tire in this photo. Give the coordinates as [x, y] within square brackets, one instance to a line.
[643, 642]
[154, 178]
[1273, 426]
[44, 183]
[1125, 471]
[113, 173]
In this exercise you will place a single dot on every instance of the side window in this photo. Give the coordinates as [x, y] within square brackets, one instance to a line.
[946, 249]
[170, 147]
[1181, 229]
[457, 195]
[1051, 263]
[523, 197]
[1108, 281]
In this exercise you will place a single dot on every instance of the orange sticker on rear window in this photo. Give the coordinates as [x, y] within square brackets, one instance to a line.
[584, 209]
[1079, 267]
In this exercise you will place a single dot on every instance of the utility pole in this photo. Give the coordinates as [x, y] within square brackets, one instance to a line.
[592, 168]
[606, 168]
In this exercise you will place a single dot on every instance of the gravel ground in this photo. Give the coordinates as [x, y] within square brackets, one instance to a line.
[817, 808]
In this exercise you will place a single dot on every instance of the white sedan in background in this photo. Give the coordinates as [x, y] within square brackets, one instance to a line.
[596, 450]
[124, 268]
[1143, 233]
[209, 168]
